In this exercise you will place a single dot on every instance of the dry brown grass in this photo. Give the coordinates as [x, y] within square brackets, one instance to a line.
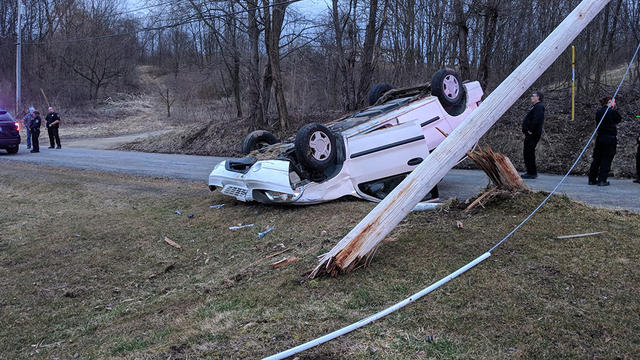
[86, 271]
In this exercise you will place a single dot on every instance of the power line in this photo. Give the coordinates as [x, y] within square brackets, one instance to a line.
[160, 28]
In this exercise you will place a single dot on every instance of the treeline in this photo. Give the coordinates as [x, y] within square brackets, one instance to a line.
[275, 60]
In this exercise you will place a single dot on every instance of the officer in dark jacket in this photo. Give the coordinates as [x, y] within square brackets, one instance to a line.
[532, 129]
[35, 131]
[637, 180]
[606, 142]
[53, 123]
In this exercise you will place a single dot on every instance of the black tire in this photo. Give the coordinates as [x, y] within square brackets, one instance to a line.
[13, 149]
[447, 86]
[377, 91]
[323, 154]
[257, 140]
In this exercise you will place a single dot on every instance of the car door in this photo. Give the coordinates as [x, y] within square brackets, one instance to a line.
[385, 152]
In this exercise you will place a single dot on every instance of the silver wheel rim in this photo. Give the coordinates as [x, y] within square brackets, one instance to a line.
[450, 87]
[320, 146]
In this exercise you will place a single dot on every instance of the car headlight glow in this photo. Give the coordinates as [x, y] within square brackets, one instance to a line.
[281, 197]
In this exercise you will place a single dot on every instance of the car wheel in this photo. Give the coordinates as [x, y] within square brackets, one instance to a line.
[13, 149]
[447, 87]
[377, 91]
[257, 140]
[315, 146]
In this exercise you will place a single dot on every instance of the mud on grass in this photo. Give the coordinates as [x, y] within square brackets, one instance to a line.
[86, 271]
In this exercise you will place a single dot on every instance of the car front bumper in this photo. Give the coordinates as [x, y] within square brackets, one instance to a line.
[260, 182]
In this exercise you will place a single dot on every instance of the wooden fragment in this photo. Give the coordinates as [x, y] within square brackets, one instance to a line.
[579, 235]
[172, 243]
[480, 198]
[285, 262]
[363, 239]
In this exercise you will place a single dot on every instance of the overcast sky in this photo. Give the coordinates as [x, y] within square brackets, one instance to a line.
[310, 7]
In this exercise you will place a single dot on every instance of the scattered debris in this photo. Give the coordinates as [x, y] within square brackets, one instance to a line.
[459, 224]
[580, 235]
[190, 216]
[262, 234]
[240, 227]
[216, 206]
[391, 239]
[170, 267]
[285, 262]
[426, 206]
[323, 233]
[276, 254]
[177, 212]
[76, 235]
[478, 201]
[172, 243]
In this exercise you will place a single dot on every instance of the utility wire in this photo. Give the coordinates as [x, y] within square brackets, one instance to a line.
[159, 28]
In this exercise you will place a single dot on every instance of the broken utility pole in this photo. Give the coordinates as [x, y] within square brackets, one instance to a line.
[361, 242]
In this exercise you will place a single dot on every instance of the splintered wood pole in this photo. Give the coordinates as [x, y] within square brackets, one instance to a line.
[361, 242]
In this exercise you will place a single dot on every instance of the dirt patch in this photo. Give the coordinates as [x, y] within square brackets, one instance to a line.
[87, 272]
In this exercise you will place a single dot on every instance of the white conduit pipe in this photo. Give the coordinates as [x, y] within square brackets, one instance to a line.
[383, 313]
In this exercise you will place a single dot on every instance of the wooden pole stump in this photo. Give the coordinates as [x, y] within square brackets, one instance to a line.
[498, 168]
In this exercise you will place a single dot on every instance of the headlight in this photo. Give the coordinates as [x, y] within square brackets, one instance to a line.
[281, 197]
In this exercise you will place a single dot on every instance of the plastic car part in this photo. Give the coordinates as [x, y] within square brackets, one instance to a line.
[280, 197]
[315, 146]
[377, 91]
[257, 140]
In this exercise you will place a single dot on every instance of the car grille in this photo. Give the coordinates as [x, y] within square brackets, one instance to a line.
[235, 191]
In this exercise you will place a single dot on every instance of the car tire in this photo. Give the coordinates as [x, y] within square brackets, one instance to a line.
[315, 146]
[256, 140]
[13, 149]
[447, 87]
[377, 91]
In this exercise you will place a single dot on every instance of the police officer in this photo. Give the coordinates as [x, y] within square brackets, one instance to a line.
[637, 180]
[606, 142]
[35, 131]
[53, 123]
[532, 129]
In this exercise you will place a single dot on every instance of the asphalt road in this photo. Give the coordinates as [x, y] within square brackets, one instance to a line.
[622, 194]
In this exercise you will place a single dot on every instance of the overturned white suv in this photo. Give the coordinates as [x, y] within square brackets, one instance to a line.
[365, 154]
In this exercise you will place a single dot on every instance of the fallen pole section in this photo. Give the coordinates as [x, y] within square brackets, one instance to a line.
[383, 313]
[357, 246]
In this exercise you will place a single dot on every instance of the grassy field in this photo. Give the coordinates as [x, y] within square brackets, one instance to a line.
[85, 272]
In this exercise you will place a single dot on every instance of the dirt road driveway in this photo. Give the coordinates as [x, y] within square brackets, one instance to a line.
[622, 194]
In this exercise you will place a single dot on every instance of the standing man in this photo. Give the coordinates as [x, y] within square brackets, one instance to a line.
[35, 131]
[606, 142]
[53, 123]
[637, 180]
[26, 122]
[532, 129]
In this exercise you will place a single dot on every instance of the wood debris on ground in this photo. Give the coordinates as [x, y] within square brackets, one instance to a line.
[285, 261]
[579, 235]
[172, 243]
